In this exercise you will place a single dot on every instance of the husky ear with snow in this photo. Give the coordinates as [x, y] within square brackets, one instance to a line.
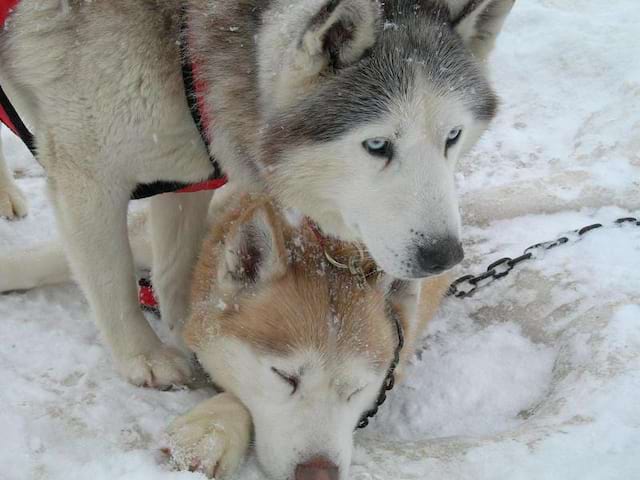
[353, 111]
[368, 107]
[299, 346]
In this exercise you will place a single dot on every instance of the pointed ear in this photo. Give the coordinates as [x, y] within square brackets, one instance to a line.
[479, 22]
[340, 34]
[253, 252]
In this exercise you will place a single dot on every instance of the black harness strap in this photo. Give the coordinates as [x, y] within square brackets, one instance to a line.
[21, 129]
[146, 190]
[156, 188]
[142, 190]
[149, 189]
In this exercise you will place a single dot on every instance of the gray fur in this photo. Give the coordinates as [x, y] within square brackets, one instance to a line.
[418, 40]
[293, 89]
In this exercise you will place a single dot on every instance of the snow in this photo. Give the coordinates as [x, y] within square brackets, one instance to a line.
[535, 377]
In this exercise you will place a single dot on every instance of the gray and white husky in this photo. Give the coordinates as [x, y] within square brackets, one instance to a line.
[352, 111]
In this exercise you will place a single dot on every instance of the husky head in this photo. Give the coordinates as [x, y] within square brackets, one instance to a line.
[367, 107]
[301, 343]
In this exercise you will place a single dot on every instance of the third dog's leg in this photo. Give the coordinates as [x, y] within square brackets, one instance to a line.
[47, 264]
[12, 202]
[178, 222]
[25, 269]
[93, 224]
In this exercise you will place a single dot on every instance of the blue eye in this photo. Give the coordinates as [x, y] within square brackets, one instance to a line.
[379, 147]
[452, 138]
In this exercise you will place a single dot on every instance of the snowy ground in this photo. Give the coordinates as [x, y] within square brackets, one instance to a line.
[536, 377]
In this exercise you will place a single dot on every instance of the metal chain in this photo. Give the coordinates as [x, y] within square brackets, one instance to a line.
[467, 285]
[389, 380]
[498, 269]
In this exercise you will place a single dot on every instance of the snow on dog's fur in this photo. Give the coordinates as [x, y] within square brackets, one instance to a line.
[299, 347]
[353, 111]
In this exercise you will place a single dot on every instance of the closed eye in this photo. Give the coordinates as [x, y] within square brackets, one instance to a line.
[356, 392]
[292, 380]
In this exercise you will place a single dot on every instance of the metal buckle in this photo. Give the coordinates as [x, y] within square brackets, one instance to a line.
[354, 266]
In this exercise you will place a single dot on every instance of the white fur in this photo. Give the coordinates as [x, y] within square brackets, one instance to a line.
[351, 196]
[12, 201]
[213, 438]
[113, 115]
[414, 193]
[91, 200]
[24, 270]
[318, 421]
[46, 264]
[215, 435]
[290, 57]
[177, 226]
[482, 42]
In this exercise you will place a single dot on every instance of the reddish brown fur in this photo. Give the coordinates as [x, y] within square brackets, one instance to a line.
[305, 302]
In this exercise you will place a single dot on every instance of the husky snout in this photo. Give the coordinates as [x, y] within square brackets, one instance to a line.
[437, 256]
[318, 468]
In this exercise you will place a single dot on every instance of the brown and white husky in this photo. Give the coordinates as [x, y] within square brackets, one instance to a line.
[299, 344]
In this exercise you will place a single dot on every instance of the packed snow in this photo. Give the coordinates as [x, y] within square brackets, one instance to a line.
[535, 377]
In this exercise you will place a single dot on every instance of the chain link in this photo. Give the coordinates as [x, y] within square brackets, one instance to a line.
[389, 380]
[468, 285]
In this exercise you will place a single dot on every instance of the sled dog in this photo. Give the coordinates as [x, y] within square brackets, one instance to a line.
[299, 347]
[352, 111]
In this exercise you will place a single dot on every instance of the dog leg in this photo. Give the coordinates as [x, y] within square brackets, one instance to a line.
[47, 264]
[178, 222]
[26, 269]
[93, 224]
[12, 201]
[212, 438]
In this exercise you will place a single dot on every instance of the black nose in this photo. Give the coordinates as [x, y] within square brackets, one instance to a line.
[438, 256]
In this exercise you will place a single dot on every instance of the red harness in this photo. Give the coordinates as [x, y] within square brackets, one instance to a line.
[5, 9]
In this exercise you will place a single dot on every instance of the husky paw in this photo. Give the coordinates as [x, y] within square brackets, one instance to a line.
[212, 438]
[163, 368]
[12, 202]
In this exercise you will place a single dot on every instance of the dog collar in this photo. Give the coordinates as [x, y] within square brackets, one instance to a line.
[355, 267]
[354, 263]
